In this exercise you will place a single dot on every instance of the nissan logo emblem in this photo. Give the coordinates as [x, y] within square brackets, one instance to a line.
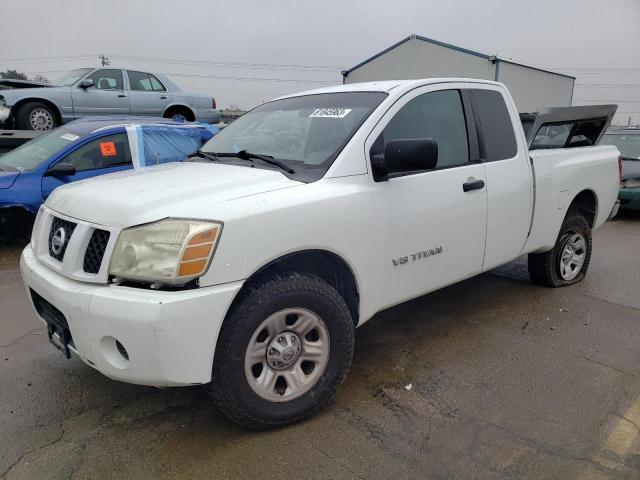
[58, 240]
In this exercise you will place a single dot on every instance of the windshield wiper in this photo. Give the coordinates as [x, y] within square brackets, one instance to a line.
[208, 156]
[244, 155]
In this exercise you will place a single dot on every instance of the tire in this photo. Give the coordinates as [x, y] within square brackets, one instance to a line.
[235, 386]
[555, 268]
[180, 115]
[36, 116]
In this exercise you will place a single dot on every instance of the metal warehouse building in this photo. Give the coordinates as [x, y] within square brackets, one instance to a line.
[421, 57]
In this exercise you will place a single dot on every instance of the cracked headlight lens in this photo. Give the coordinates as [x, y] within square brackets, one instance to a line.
[172, 251]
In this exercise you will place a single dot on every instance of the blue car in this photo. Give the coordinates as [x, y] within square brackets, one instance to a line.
[86, 148]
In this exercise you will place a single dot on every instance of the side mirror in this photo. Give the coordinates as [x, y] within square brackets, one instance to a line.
[86, 83]
[60, 170]
[406, 155]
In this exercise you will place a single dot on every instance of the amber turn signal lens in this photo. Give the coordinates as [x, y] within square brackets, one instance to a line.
[199, 251]
[192, 268]
[204, 237]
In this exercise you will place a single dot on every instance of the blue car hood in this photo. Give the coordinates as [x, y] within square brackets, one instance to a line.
[7, 179]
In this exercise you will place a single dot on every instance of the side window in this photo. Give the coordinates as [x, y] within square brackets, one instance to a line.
[146, 82]
[436, 115]
[497, 130]
[107, 79]
[103, 152]
[156, 84]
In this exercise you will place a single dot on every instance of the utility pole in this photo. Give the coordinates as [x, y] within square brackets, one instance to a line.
[104, 59]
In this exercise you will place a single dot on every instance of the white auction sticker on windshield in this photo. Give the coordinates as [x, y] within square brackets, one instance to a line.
[330, 113]
[69, 136]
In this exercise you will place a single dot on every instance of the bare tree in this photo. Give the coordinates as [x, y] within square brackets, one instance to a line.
[40, 79]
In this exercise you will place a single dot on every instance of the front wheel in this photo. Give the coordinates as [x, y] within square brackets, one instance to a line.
[283, 352]
[36, 116]
[568, 261]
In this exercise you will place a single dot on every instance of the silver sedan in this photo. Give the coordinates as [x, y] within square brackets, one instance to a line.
[100, 91]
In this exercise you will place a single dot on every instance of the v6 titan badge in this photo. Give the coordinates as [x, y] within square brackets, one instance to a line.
[417, 256]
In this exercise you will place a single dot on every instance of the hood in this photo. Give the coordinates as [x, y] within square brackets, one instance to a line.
[7, 179]
[132, 197]
[8, 82]
[13, 94]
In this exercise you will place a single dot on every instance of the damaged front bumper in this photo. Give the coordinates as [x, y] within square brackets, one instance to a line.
[5, 114]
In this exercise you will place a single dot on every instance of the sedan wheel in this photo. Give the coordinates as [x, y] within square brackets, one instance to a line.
[41, 119]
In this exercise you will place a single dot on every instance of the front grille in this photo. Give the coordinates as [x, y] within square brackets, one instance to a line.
[95, 251]
[62, 230]
[48, 312]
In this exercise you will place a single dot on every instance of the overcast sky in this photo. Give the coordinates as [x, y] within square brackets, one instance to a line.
[297, 45]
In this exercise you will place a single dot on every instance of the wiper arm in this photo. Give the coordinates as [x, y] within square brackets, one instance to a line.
[244, 155]
[208, 156]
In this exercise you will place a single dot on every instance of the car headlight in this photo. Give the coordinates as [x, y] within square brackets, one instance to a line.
[171, 251]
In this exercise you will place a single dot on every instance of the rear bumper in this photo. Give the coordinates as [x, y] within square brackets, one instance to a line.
[614, 210]
[169, 337]
[207, 116]
[629, 198]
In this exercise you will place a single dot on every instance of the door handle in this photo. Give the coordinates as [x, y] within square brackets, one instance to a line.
[122, 95]
[163, 97]
[473, 185]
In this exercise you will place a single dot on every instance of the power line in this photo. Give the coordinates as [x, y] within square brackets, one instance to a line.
[607, 85]
[604, 100]
[269, 66]
[46, 59]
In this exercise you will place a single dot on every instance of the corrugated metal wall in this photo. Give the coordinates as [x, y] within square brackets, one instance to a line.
[420, 59]
[415, 58]
[533, 88]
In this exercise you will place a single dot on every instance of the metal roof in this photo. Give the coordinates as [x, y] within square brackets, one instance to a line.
[492, 58]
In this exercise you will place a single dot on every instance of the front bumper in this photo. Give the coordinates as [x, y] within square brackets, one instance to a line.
[169, 337]
[5, 114]
[629, 198]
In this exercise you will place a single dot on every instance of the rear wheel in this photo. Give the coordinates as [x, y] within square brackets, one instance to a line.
[180, 114]
[36, 116]
[568, 261]
[283, 352]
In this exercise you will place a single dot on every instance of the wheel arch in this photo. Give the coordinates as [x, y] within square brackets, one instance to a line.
[329, 266]
[178, 107]
[20, 103]
[586, 203]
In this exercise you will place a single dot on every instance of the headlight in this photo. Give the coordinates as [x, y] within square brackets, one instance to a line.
[170, 251]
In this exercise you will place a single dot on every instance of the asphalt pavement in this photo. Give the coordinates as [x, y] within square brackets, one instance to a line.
[490, 378]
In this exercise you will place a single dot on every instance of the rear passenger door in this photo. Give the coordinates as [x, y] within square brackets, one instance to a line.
[508, 175]
[431, 231]
[107, 154]
[147, 95]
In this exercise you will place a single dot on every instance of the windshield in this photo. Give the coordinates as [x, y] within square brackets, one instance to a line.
[31, 154]
[629, 145]
[72, 77]
[307, 133]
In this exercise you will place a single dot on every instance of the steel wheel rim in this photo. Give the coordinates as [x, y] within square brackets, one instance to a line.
[274, 341]
[178, 117]
[572, 256]
[41, 119]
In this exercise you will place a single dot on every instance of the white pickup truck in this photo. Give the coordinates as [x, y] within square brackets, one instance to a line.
[249, 266]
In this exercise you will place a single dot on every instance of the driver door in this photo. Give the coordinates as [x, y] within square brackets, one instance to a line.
[432, 225]
[99, 156]
[107, 96]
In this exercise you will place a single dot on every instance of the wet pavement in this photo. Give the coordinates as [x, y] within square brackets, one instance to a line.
[490, 378]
